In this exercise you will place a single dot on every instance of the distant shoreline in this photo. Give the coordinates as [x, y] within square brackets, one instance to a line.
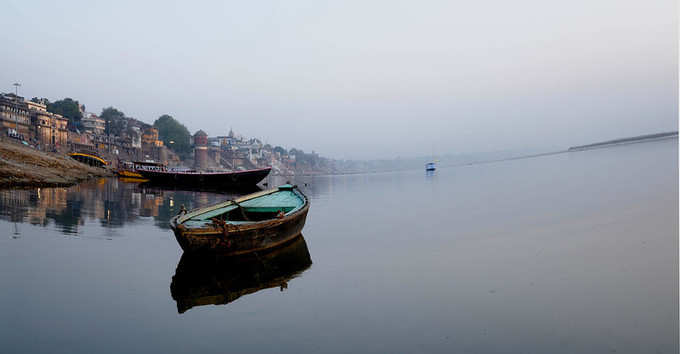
[600, 145]
[25, 168]
[623, 141]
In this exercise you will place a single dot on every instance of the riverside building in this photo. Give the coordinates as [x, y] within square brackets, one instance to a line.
[30, 121]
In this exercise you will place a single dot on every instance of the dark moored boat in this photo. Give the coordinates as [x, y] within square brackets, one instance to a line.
[216, 279]
[254, 222]
[207, 179]
[131, 169]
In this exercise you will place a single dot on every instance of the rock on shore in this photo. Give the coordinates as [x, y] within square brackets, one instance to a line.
[23, 166]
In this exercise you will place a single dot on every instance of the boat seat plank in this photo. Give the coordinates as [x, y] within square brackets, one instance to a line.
[211, 214]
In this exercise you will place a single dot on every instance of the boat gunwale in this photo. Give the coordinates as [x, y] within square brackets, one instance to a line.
[199, 211]
[97, 158]
[191, 173]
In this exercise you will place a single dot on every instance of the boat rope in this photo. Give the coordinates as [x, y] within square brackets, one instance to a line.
[240, 208]
[221, 223]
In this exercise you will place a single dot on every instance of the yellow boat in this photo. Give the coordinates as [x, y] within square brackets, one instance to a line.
[129, 174]
[88, 159]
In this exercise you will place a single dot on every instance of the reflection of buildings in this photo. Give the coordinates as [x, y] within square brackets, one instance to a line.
[47, 199]
[113, 203]
[65, 207]
[109, 201]
[34, 206]
[150, 204]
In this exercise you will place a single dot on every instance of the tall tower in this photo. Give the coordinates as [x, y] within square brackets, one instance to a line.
[200, 150]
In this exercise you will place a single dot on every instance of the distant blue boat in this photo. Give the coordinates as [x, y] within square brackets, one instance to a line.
[430, 166]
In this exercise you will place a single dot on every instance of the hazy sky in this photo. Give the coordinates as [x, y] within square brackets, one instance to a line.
[359, 79]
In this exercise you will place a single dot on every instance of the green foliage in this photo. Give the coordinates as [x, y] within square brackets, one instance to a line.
[40, 100]
[68, 108]
[115, 121]
[305, 160]
[280, 150]
[174, 135]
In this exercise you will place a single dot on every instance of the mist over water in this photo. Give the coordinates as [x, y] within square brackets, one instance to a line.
[566, 253]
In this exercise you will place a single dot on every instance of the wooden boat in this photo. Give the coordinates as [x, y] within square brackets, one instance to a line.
[250, 223]
[216, 279]
[129, 174]
[131, 169]
[88, 159]
[212, 179]
[227, 192]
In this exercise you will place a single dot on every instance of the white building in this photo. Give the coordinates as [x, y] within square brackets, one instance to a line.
[93, 124]
[137, 138]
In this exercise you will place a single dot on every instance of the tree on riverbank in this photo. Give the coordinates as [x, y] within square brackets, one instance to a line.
[114, 119]
[174, 135]
[68, 108]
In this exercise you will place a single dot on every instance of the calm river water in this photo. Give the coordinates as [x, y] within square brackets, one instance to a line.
[568, 253]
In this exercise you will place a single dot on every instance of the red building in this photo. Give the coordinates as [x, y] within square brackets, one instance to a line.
[200, 150]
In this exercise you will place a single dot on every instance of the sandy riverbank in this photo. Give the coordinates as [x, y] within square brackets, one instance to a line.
[23, 166]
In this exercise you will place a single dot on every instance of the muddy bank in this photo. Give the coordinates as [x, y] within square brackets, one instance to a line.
[22, 166]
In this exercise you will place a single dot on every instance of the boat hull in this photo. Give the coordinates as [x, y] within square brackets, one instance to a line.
[207, 179]
[88, 159]
[129, 174]
[232, 239]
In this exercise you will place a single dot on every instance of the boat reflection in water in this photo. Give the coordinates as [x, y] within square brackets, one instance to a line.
[233, 191]
[205, 279]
